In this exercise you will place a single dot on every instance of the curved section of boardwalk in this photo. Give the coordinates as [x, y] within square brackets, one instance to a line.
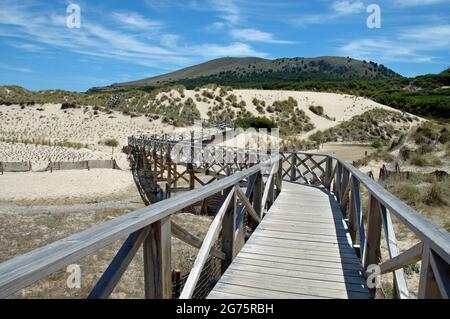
[301, 249]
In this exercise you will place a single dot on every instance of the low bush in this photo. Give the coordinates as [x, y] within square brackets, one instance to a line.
[435, 195]
[66, 106]
[255, 122]
[318, 110]
[377, 143]
[419, 160]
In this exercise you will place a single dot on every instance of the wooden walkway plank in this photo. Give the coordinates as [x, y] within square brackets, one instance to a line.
[297, 251]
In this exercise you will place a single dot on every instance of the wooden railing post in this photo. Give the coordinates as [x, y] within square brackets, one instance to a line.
[280, 175]
[271, 197]
[258, 190]
[372, 251]
[228, 231]
[328, 172]
[428, 287]
[352, 218]
[338, 190]
[294, 167]
[345, 175]
[157, 261]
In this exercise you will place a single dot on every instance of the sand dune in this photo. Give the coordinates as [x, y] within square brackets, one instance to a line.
[341, 107]
[40, 124]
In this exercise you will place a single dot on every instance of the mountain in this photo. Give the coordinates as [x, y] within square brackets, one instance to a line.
[257, 70]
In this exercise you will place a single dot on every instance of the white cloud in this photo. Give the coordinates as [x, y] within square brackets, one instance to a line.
[415, 3]
[254, 35]
[25, 46]
[136, 21]
[229, 11]
[429, 37]
[348, 7]
[14, 68]
[235, 49]
[170, 40]
[382, 49]
[417, 44]
[94, 39]
[338, 9]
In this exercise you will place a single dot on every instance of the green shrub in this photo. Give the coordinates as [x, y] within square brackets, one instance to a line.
[255, 122]
[110, 142]
[377, 143]
[425, 148]
[318, 110]
[435, 195]
[444, 136]
[419, 160]
[436, 161]
[409, 193]
[405, 153]
[410, 269]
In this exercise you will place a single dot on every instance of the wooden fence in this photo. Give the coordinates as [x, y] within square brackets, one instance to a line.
[79, 165]
[152, 228]
[366, 225]
[15, 167]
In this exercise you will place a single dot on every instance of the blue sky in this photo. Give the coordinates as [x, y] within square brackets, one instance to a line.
[128, 40]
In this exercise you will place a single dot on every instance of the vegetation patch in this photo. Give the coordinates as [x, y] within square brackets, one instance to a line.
[376, 124]
[255, 122]
[319, 111]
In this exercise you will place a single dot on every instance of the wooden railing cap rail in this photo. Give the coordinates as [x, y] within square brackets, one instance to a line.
[26, 269]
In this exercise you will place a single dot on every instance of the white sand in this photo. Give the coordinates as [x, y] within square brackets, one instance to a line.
[74, 125]
[65, 185]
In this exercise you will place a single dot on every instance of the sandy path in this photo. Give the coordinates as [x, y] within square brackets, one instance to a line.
[131, 203]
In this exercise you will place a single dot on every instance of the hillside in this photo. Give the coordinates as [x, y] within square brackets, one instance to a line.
[256, 70]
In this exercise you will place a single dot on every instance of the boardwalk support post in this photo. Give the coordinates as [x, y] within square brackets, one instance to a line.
[157, 261]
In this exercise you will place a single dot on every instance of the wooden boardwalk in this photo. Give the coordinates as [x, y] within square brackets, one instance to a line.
[301, 249]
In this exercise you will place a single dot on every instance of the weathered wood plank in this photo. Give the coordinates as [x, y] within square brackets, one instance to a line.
[157, 261]
[258, 293]
[207, 245]
[248, 205]
[290, 264]
[183, 235]
[228, 231]
[299, 254]
[407, 257]
[108, 281]
[296, 274]
[296, 285]
[399, 277]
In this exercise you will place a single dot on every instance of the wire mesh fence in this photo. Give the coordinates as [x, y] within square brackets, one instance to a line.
[208, 278]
